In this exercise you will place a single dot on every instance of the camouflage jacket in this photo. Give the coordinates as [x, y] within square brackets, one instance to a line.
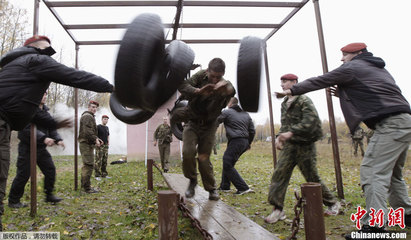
[300, 118]
[205, 108]
[88, 128]
[163, 134]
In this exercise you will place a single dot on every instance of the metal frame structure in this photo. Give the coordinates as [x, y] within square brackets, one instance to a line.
[177, 26]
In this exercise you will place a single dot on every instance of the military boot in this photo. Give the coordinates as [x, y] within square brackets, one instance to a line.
[190, 190]
[52, 198]
[213, 195]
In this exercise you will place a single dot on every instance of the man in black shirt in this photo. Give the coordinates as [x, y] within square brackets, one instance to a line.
[46, 136]
[102, 151]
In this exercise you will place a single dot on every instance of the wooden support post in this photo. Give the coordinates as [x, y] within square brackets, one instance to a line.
[313, 211]
[167, 215]
[33, 172]
[150, 174]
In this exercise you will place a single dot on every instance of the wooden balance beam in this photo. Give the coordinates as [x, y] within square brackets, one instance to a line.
[220, 220]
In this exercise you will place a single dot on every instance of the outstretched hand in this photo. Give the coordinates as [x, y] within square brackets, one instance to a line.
[282, 94]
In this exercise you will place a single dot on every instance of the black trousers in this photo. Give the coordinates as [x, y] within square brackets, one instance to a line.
[235, 148]
[46, 165]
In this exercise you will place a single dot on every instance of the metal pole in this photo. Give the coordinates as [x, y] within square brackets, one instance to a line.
[33, 168]
[33, 135]
[270, 105]
[313, 211]
[150, 174]
[167, 215]
[331, 118]
[76, 127]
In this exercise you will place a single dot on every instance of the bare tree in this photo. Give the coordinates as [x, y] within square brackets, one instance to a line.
[13, 22]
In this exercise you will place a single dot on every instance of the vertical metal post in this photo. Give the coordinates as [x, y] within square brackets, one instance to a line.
[313, 211]
[33, 172]
[33, 135]
[270, 104]
[76, 127]
[331, 117]
[150, 174]
[167, 215]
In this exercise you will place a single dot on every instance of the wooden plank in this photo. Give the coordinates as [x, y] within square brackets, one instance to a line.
[221, 220]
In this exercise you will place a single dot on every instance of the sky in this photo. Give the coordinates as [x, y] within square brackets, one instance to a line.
[382, 25]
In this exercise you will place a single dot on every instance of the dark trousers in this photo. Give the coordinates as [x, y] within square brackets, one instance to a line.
[235, 148]
[46, 165]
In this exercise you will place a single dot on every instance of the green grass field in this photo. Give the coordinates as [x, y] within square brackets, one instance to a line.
[125, 209]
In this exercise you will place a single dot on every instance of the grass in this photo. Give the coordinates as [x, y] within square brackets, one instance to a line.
[125, 209]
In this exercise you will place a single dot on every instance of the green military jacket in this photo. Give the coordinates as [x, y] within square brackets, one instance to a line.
[205, 108]
[88, 128]
[300, 118]
[163, 134]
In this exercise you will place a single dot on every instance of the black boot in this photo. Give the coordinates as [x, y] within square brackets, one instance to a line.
[190, 190]
[52, 198]
[213, 195]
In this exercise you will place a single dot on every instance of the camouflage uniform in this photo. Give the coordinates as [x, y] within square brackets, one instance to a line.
[87, 139]
[301, 118]
[100, 165]
[199, 131]
[357, 141]
[164, 137]
[369, 135]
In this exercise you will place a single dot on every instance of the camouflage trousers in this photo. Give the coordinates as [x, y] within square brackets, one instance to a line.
[303, 156]
[164, 149]
[4, 159]
[199, 138]
[356, 143]
[100, 164]
[87, 155]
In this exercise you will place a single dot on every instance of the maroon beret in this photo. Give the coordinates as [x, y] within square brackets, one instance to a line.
[353, 47]
[105, 116]
[289, 76]
[36, 38]
[94, 102]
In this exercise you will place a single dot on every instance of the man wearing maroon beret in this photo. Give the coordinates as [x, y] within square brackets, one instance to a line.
[300, 129]
[88, 140]
[100, 165]
[369, 94]
[25, 75]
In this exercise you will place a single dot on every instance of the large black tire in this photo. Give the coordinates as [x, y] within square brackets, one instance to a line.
[140, 63]
[249, 73]
[177, 118]
[179, 59]
[129, 116]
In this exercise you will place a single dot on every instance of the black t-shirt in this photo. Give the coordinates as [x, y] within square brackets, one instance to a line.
[103, 133]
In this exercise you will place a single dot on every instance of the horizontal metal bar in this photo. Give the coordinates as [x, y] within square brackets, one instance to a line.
[169, 25]
[188, 41]
[170, 3]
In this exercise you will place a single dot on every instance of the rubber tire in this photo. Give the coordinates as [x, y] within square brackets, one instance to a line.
[177, 127]
[249, 72]
[129, 116]
[140, 63]
[179, 59]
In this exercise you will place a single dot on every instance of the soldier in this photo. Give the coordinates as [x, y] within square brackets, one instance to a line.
[25, 74]
[163, 136]
[88, 139]
[208, 93]
[368, 93]
[45, 137]
[103, 133]
[300, 129]
[240, 133]
[357, 138]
